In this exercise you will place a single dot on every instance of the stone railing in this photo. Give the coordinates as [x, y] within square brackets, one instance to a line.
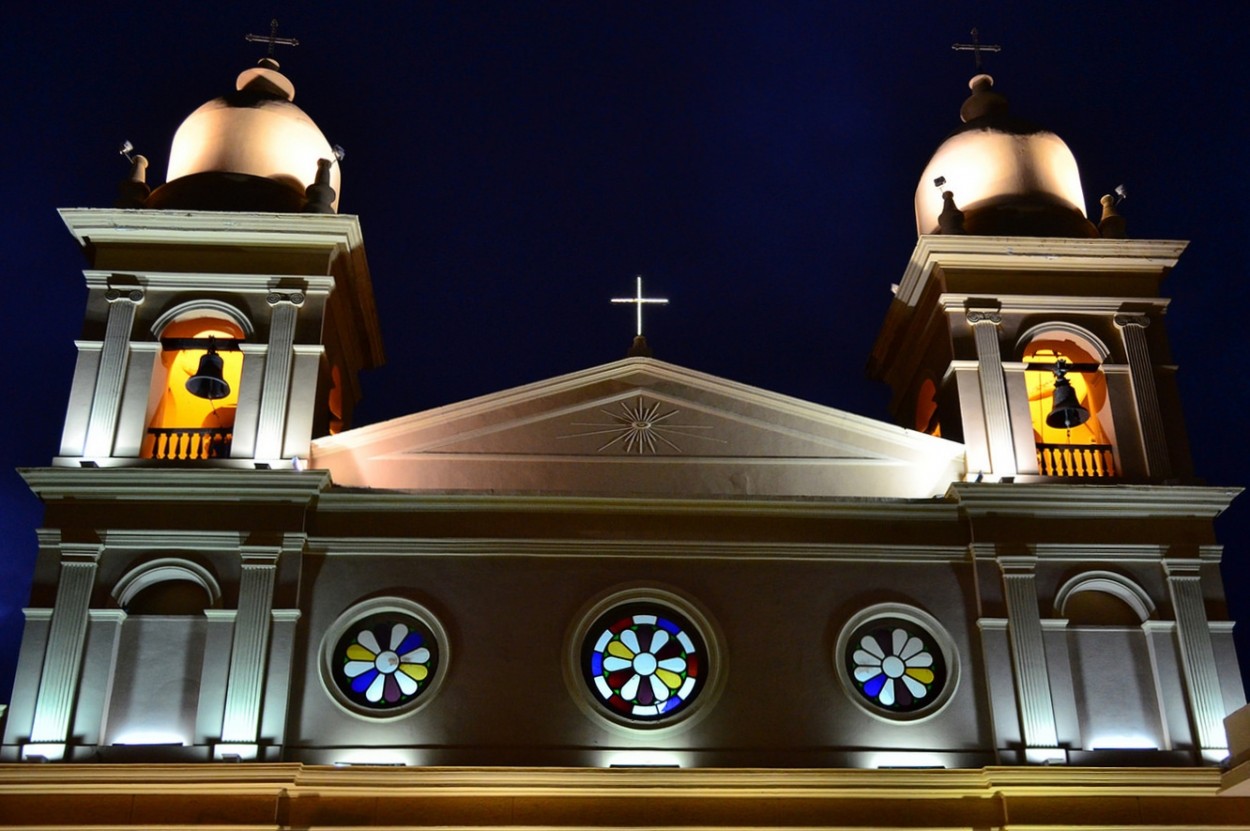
[190, 443]
[1084, 460]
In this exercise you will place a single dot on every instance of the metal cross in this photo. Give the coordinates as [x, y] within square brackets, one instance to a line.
[272, 38]
[638, 300]
[976, 47]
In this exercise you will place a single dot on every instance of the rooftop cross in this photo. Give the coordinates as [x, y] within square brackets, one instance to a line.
[272, 38]
[976, 47]
[638, 300]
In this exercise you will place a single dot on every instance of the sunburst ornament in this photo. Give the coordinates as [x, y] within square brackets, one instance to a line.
[641, 428]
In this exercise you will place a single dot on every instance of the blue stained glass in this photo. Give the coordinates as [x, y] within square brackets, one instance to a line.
[873, 685]
[361, 682]
[670, 704]
[410, 643]
[596, 664]
[668, 625]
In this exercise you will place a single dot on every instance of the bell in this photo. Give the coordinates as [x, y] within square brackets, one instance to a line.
[207, 382]
[1065, 411]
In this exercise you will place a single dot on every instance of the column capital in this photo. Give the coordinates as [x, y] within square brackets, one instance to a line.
[1182, 568]
[990, 316]
[1017, 566]
[1126, 320]
[295, 298]
[81, 552]
[259, 555]
[131, 295]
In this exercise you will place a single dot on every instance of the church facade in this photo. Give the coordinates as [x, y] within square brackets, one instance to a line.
[635, 595]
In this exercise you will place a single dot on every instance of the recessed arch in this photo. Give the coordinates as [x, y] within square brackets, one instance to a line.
[1083, 338]
[1107, 582]
[200, 308]
[166, 569]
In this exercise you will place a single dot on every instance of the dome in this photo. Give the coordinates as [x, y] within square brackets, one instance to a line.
[250, 150]
[1008, 177]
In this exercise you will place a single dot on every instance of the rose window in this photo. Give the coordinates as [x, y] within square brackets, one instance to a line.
[644, 662]
[895, 665]
[384, 661]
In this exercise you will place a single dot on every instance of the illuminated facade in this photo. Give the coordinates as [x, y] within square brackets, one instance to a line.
[763, 612]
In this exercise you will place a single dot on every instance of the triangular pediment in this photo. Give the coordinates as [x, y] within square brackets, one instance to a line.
[641, 427]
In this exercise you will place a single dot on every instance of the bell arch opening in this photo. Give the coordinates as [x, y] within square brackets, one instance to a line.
[195, 393]
[1072, 425]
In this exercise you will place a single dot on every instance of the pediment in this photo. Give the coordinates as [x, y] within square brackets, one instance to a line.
[642, 427]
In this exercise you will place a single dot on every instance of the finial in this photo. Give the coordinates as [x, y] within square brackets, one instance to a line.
[976, 47]
[320, 194]
[639, 348]
[983, 101]
[133, 191]
[273, 40]
[951, 219]
[1112, 224]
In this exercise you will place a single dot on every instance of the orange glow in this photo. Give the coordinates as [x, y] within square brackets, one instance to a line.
[926, 409]
[1090, 388]
[178, 408]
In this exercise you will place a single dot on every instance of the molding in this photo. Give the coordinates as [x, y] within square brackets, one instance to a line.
[1107, 582]
[236, 283]
[158, 571]
[221, 615]
[156, 539]
[1110, 501]
[685, 549]
[285, 615]
[37, 614]
[953, 303]
[103, 225]
[106, 615]
[204, 304]
[175, 484]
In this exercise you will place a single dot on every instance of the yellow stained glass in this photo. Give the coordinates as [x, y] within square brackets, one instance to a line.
[620, 650]
[356, 652]
[924, 676]
[415, 671]
[671, 679]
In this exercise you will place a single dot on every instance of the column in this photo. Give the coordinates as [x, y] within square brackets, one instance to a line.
[1141, 370]
[993, 392]
[245, 682]
[277, 377]
[111, 371]
[1202, 679]
[58, 683]
[1028, 653]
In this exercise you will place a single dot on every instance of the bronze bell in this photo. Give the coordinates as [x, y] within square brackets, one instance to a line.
[1065, 411]
[207, 382]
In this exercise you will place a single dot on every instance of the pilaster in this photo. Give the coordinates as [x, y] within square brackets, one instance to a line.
[111, 372]
[276, 385]
[1202, 679]
[1141, 370]
[1028, 653]
[58, 682]
[245, 682]
[993, 391]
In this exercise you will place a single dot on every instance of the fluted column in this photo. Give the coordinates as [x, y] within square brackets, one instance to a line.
[248, 653]
[1028, 653]
[1141, 370]
[993, 392]
[62, 659]
[1202, 679]
[111, 371]
[276, 385]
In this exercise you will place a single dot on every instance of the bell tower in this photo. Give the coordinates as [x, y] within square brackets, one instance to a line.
[1010, 289]
[237, 266]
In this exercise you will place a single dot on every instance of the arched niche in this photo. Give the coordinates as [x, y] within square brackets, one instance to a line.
[1103, 598]
[168, 586]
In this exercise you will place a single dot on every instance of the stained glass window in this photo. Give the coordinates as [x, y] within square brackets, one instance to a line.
[384, 661]
[895, 664]
[644, 661]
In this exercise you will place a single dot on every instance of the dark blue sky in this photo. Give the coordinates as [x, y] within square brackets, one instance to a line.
[515, 164]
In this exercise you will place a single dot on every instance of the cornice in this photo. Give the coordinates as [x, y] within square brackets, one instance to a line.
[175, 484]
[112, 225]
[183, 281]
[1110, 501]
[346, 500]
[680, 549]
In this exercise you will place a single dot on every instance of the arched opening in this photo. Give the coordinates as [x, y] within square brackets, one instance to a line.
[1084, 450]
[927, 420]
[183, 425]
[170, 597]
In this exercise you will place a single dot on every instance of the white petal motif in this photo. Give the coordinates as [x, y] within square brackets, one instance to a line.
[673, 664]
[398, 632]
[862, 674]
[658, 640]
[630, 638]
[365, 638]
[353, 668]
[661, 691]
[864, 659]
[870, 643]
[374, 693]
[887, 693]
[614, 664]
[913, 646]
[630, 688]
[899, 639]
[407, 685]
[917, 689]
[924, 659]
[420, 655]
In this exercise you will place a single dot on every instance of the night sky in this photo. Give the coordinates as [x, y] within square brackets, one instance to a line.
[515, 164]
